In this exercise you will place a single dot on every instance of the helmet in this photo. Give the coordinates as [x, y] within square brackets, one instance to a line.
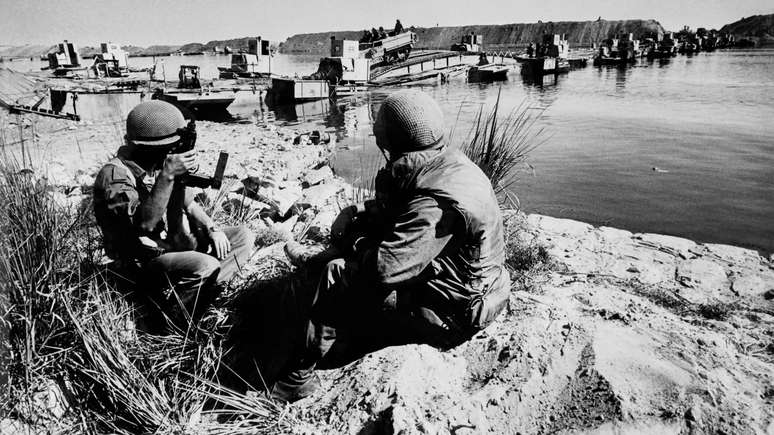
[409, 120]
[154, 123]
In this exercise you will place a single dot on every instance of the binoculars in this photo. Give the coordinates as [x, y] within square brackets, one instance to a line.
[193, 178]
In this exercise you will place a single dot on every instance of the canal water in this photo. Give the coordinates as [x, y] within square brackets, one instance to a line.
[683, 146]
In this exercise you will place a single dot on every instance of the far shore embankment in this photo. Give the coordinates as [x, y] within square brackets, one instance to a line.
[616, 332]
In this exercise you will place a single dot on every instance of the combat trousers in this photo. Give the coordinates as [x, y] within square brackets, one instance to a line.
[349, 318]
[184, 284]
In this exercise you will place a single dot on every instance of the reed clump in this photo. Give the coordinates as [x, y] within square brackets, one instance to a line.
[68, 335]
[500, 145]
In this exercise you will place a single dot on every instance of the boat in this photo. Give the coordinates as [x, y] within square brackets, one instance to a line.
[197, 101]
[345, 72]
[297, 89]
[664, 48]
[65, 61]
[541, 66]
[488, 73]
[255, 63]
[191, 96]
[549, 57]
[577, 62]
[618, 51]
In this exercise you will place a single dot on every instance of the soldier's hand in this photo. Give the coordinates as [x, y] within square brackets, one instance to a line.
[341, 225]
[179, 164]
[220, 244]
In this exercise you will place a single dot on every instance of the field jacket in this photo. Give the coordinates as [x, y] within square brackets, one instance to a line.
[443, 237]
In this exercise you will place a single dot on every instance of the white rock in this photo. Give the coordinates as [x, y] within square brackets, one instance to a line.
[280, 199]
[642, 271]
[85, 180]
[286, 227]
[57, 175]
[703, 279]
[318, 196]
[671, 244]
[749, 286]
[321, 225]
[732, 254]
[567, 227]
[610, 234]
[317, 176]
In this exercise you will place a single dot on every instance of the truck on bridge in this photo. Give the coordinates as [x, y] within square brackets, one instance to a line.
[388, 50]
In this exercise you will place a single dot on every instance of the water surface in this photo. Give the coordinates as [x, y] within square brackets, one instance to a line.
[704, 121]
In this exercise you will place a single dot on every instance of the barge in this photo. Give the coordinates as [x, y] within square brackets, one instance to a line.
[550, 57]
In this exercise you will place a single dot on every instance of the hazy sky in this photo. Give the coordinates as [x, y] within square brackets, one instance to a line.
[146, 22]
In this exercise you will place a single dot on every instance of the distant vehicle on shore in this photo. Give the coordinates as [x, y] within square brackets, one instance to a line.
[471, 43]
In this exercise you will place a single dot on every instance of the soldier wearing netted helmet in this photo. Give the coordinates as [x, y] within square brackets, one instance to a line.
[422, 263]
[159, 236]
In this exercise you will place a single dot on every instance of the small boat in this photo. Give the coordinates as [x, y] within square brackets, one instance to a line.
[191, 96]
[578, 62]
[612, 61]
[492, 72]
[197, 100]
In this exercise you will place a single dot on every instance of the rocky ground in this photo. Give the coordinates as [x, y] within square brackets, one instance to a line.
[623, 333]
[629, 333]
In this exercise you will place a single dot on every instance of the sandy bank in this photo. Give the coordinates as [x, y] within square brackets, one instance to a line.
[623, 333]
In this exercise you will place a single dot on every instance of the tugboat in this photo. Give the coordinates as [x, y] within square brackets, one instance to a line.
[549, 57]
[621, 51]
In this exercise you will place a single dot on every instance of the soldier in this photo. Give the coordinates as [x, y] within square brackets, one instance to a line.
[398, 28]
[422, 263]
[151, 224]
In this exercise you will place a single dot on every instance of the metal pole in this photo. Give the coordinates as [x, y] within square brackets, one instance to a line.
[21, 138]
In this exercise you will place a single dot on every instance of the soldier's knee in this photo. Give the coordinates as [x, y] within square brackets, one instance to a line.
[243, 237]
[205, 267]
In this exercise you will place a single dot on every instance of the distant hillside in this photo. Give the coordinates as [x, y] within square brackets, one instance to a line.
[503, 36]
[27, 50]
[759, 28]
[235, 44]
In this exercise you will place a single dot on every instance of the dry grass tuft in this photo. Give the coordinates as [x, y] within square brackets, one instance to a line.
[70, 326]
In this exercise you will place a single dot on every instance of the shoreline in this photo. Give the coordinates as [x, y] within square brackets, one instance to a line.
[622, 331]
[92, 139]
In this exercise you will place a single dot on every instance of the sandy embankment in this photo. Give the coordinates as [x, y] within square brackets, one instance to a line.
[626, 333]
